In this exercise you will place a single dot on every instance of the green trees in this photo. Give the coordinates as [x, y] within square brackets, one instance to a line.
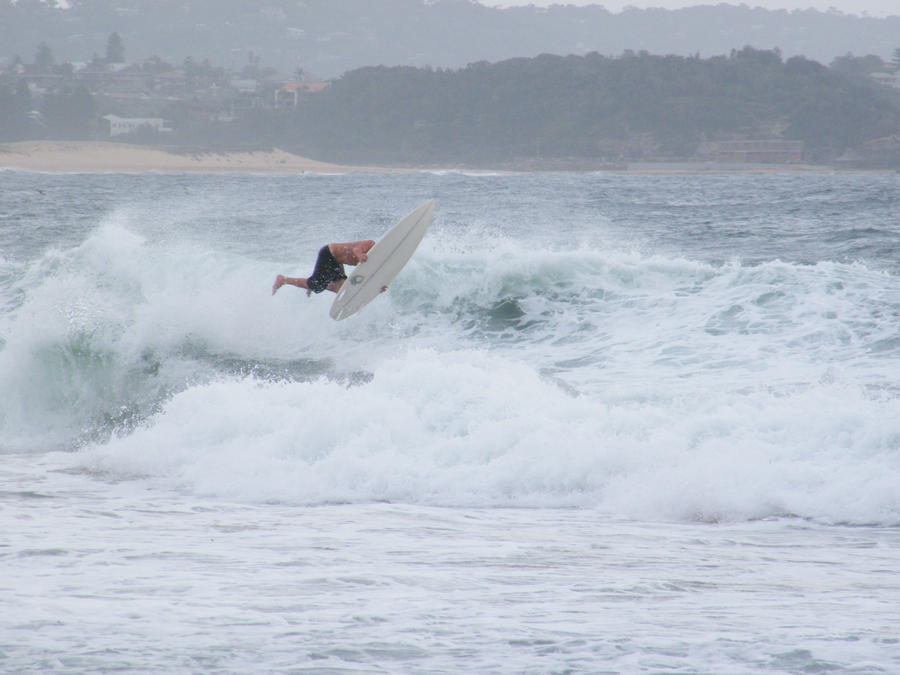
[16, 121]
[43, 58]
[592, 107]
[115, 49]
[60, 109]
[858, 65]
[68, 115]
[635, 106]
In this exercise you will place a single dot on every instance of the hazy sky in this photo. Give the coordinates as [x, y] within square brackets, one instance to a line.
[877, 8]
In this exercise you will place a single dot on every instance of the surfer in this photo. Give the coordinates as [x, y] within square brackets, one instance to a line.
[328, 274]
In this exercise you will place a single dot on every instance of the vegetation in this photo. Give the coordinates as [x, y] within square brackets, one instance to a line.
[589, 109]
[632, 107]
[859, 65]
[115, 49]
[67, 115]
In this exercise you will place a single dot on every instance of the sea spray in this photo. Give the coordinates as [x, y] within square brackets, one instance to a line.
[473, 429]
[107, 330]
[600, 422]
[510, 364]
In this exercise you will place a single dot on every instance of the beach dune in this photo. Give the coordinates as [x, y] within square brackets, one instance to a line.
[106, 157]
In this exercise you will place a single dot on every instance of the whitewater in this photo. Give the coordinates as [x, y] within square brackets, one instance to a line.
[599, 423]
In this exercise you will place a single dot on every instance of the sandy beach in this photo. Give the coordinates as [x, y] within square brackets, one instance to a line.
[105, 157]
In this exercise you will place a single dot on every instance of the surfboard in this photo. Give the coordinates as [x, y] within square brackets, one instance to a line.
[386, 258]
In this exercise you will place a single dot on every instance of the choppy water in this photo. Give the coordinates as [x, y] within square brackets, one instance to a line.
[599, 423]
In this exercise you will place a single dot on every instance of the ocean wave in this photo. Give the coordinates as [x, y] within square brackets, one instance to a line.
[124, 321]
[470, 428]
[561, 349]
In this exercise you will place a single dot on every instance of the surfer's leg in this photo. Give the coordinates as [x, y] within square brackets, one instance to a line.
[282, 280]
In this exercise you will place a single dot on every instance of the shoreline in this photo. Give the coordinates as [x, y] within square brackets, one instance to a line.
[109, 157]
[106, 157]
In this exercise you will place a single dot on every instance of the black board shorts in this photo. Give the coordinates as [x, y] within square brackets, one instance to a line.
[327, 271]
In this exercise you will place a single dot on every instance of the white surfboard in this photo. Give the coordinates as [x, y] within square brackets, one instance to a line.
[385, 260]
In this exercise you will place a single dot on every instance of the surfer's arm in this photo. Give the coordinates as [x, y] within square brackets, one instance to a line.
[361, 249]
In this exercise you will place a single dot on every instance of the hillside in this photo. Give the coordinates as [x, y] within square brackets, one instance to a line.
[329, 37]
[637, 106]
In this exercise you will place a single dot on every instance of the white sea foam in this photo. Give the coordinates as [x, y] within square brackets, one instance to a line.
[473, 429]
[488, 375]
[598, 423]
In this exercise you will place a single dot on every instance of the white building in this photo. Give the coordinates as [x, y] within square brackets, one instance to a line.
[126, 125]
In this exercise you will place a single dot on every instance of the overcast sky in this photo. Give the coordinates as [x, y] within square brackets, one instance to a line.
[876, 8]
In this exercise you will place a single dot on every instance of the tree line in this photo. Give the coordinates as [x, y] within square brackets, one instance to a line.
[629, 107]
[594, 108]
[68, 114]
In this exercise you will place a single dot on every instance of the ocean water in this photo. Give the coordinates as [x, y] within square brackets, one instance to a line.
[600, 423]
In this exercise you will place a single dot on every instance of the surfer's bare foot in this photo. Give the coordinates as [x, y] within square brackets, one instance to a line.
[279, 282]
[383, 289]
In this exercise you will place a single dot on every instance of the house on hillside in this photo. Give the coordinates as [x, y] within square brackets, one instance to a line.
[128, 80]
[113, 125]
[246, 95]
[883, 152]
[244, 85]
[289, 95]
[887, 79]
[43, 83]
[170, 84]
